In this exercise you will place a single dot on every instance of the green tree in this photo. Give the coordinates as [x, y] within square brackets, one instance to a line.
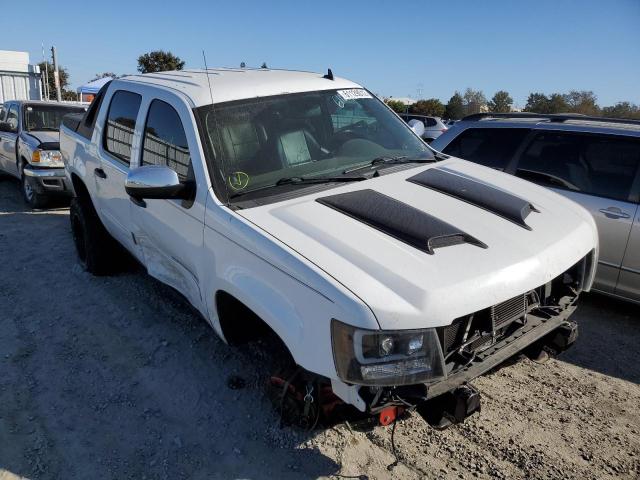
[501, 102]
[474, 101]
[396, 105]
[63, 75]
[583, 101]
[159, 61]
[537, 103]
[557, 104]
[541, 103]
[622, 110]
[431, 106]
[454, 110]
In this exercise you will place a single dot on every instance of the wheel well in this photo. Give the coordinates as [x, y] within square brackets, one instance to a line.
[241, 325]
[238, 322]
[79, 187]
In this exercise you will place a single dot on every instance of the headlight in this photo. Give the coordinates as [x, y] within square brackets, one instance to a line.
[386, 357]
[47, 157]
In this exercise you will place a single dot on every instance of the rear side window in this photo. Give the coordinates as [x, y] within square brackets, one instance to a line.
[165, 142]
[599, 165]
[492, 147]
[121, 121]
[89, 121]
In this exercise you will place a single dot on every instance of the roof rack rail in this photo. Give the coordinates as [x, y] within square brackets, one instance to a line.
[552, 117]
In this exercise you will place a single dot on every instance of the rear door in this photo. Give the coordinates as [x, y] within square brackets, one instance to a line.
[8, 141]
[598, 172]
[116, 149]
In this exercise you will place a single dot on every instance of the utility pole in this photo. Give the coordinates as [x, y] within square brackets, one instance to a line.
[46, 75]
[56, 74]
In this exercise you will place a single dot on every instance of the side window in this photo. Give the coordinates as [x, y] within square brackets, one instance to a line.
[492, 147]
[12, 117]
[429, 122]
[599, 165]
[165, 142]
[121, 121]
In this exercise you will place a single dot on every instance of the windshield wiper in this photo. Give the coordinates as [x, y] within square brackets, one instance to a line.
[301, 181]
[311, 180]
[380, 161]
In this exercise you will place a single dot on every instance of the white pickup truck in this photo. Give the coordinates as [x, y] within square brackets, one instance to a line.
[299, 201]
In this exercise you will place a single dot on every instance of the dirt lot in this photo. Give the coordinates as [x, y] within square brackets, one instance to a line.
[118, 378]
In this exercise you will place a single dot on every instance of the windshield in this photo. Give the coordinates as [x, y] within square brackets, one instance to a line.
[46, 117]
[256, 142]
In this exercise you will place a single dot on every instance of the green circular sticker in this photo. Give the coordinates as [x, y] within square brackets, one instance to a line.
[238, 180]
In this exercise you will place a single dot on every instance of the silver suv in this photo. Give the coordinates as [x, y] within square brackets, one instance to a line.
[593, 161]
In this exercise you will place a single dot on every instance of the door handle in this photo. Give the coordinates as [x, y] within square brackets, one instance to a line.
[614, 212]
[98, 172]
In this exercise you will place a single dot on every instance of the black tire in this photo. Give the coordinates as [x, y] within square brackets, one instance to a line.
[33, 198]
[98, 252]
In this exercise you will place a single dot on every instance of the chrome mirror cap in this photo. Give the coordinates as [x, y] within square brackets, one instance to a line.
[154, 181]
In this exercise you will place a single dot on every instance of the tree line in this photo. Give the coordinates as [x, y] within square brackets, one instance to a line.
[474, 101]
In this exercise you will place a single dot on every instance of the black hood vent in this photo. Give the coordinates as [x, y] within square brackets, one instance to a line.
[399, 220]
[484, 196]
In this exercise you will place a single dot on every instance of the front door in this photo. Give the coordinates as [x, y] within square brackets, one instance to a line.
[597, 171]
[169, 233]
[8, 142]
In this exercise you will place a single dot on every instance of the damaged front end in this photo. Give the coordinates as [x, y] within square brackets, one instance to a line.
[431, 369]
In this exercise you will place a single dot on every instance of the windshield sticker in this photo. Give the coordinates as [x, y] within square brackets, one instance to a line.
[338, 101]
[354, 94]
[238, 180]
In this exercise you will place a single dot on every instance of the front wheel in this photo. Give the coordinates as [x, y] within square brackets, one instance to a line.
[31, 196]
[98, 252]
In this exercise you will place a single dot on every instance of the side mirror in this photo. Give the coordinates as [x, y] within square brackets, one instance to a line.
[156, 181]
[417, 126]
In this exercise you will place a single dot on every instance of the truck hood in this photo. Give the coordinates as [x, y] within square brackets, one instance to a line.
[488, 259]
[44, 136]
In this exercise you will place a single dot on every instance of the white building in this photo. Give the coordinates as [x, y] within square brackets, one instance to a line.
[18, 79]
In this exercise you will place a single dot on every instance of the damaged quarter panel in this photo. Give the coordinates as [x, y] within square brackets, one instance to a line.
[295, 298]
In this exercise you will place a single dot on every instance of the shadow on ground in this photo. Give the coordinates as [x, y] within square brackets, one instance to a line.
[609, 337]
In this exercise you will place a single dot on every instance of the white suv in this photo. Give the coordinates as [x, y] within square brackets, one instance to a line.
[302, 202]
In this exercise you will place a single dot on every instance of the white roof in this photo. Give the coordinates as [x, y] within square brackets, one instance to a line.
[229, 84]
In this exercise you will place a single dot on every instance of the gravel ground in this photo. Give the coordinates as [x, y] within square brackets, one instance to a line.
[119, 378]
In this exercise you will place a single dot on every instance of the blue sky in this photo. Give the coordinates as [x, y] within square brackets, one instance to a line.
[394, 48]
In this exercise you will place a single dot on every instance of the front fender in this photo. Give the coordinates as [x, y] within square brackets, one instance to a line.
[296, 301]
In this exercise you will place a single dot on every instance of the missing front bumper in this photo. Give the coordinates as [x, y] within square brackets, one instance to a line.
[549, 329]
[563, 333]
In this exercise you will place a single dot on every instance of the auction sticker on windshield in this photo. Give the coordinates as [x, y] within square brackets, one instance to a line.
[354, 93]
